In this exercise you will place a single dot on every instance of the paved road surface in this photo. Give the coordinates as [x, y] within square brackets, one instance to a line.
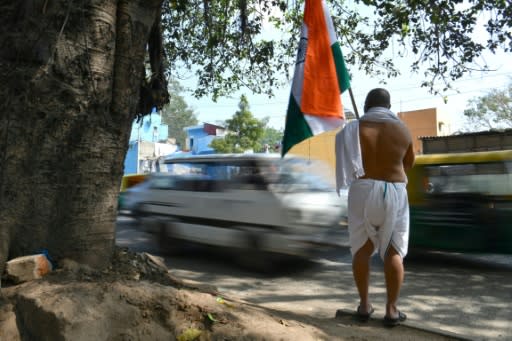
[468, 296]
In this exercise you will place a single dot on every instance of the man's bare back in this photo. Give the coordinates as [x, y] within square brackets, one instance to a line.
[386, 149]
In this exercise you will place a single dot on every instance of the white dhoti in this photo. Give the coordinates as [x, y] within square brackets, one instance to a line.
[379, 211]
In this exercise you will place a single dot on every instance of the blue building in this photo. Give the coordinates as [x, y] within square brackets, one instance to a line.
[200, 136]
[148, 140]
[150, 128]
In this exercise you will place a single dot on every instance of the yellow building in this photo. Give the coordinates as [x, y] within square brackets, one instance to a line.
[424, 122]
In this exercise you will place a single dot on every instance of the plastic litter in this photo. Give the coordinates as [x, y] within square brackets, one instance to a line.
[27, 268]
[190, 334]
[222, 301]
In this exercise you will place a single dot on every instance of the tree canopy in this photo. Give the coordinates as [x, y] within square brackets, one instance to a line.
[177, 114]
[491, 111]
[227, 45]
[244, 132]
[272, 138]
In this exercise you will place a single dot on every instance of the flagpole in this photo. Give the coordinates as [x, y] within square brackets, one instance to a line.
[309, 149]
[353, 102]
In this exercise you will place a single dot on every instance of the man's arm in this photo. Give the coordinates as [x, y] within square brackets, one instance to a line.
[409, 158]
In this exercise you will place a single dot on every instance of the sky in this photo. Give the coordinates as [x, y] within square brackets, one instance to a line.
[406, 94]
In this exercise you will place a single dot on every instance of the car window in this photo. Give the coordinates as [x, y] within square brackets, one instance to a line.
[276, 174]
[162, 182]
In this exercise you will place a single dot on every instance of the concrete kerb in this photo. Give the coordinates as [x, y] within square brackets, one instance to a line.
[409, 324]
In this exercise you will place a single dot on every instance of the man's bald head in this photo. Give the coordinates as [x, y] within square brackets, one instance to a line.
[378, 97]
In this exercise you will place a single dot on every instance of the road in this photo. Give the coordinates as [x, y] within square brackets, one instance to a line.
[466, 295]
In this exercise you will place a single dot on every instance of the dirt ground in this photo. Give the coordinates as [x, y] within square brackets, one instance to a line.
[137, 299]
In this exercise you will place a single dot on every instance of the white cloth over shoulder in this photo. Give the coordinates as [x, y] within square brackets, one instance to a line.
[349, 163]
[379, 211]
[379, 114]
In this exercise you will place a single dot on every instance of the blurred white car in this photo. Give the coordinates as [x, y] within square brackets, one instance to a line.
[259, 203]
[131, 196]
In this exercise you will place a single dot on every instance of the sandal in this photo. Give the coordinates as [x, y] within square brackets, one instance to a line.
[392, 322]
[364, 317]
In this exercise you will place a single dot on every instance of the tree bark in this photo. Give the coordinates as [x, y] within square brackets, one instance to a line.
[71, 72]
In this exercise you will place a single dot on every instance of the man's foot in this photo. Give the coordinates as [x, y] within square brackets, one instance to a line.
[364, 316]
[394, 321]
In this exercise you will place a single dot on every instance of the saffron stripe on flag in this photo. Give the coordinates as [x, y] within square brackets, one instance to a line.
[320, 92]
[319, 79]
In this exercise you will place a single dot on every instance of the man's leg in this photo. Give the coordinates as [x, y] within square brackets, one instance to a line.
[394, 274]
[361, 272]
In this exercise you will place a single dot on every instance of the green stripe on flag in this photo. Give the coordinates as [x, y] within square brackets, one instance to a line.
[296, 128]
[341, 69]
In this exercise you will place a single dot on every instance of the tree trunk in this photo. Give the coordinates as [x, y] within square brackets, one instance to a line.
[71, 73]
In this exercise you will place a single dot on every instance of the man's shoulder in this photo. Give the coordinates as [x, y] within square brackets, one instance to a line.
[395, 124]
[391, 129]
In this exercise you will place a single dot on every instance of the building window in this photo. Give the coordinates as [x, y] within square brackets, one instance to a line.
[155, 134]
[440, 126]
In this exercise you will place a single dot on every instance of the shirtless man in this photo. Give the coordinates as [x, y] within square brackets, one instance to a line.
[378, 209]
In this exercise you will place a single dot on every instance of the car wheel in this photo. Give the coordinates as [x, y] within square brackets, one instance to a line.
[138, 214]
[253, 258]
[168, 243]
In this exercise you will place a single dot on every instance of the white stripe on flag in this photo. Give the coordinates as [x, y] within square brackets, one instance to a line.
[330, 26]
[322, 124]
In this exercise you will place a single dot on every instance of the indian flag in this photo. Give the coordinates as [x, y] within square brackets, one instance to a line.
[319, 79]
